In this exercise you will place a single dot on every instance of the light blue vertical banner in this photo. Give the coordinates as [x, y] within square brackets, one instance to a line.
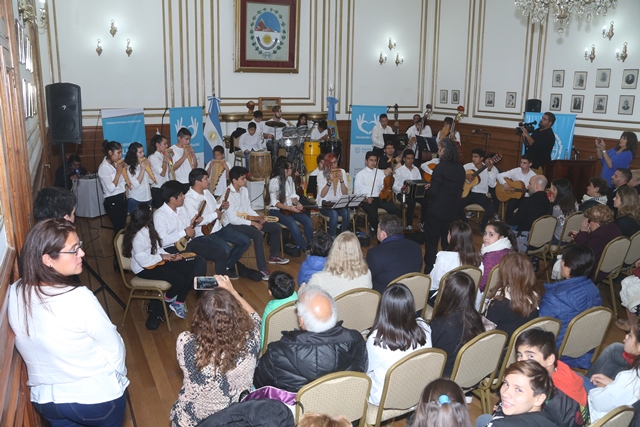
[563, 128]
[124, 126]
[212, 128]
[363, 119]
[190, 118]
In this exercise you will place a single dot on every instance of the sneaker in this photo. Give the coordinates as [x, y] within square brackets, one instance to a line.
[178, 309]
[232, 275]
[265, 274]
[170, 300]
[153, 321]
[278, 260]
[470, 215]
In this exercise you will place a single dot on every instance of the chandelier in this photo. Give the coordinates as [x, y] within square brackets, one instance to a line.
[563, 9]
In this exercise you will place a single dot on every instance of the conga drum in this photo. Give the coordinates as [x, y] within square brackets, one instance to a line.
[260, 165]
[310, 153]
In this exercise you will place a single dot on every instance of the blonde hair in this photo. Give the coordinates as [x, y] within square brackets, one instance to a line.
[345, 257]
[600, 214]
[321, 420]
[630, 205]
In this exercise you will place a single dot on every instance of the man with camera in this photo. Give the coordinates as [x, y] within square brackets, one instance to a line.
[540, 143]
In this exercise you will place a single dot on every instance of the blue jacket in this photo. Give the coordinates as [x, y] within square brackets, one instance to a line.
[566, 299]
[309, 267]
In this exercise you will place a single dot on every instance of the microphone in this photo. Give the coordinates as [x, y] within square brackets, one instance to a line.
[476, 130]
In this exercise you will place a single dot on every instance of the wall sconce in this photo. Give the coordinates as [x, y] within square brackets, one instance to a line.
[382, 59]
[129, 49]
[392, 44]
[590, 56]
[99, 48]
[399, 60]
[607, 34]
[113, 29]
[622, 56]
[29, 14]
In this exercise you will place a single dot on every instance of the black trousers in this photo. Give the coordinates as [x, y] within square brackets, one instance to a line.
[371, 209]
[435, 231]
[478, 199]
[411, 207]
[156, 198]
[512, 205]
[179, 273]
[116, 207]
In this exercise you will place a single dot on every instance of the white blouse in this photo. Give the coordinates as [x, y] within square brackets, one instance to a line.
[107, 173]
[156, 160]
[274, 192]
[140, 191]
[141, 255]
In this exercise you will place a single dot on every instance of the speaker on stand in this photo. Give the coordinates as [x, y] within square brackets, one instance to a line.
[533, 106]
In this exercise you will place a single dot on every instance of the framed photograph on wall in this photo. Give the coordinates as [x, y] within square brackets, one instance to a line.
[629, 79]
[580, 80]
[577, 102]
[444, 96]
[555, 103]
[626, 104]
[558, 78]
[266, 104]
[511, 100]
[266, 36]
[455, 97]
[490, 99]
[600, 104]
[603, 77]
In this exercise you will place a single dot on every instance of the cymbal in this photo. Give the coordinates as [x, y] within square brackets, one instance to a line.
[274, 124]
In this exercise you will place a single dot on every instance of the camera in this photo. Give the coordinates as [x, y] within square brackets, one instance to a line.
[527, 126]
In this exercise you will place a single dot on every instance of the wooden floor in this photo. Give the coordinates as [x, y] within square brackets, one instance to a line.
[151, 356]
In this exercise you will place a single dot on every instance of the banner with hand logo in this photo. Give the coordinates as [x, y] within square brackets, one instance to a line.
[363, 119]
[563, 128]
[190, 118]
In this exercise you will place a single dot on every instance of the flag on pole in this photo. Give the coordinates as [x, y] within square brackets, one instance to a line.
[331, 117]
[212, 128]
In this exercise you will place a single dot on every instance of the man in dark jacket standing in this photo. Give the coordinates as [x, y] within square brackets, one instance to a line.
[321, 346]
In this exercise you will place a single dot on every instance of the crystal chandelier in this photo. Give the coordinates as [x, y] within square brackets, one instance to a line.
[563, 9]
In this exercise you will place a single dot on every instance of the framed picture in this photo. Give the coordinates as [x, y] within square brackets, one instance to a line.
[511, 100]
[455, 97]
[266, 38]
[489, 99]
[444, 96]
[626, 104]
[629, 79]
[558, 78]
[580, 80]
[555, 103]
[266, 104]
[600, 104]
[576, 103]
[603, 76]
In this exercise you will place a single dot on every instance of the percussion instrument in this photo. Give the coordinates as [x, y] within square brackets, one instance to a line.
[311, 151]
[303, 130]
[216, 169]
[290, 132]
[288, 142]
[415, 188]
[259, 165]
[274, 124]
[333, 146]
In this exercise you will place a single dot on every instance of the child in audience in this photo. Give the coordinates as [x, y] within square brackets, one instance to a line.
[498, 240]
[442, 403]
[282, 289]
[320, 247]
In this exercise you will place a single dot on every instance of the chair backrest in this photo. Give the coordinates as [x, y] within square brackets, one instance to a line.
[357, 308]
[633, 254]
[474, 272]
[572, 222]
[123, 262]
[619, 417]
[613, 256]
[542, 231]
[479, 358]
[492, 282]
[341, 393]
[419, 284]
[283, 318]
[585, 332]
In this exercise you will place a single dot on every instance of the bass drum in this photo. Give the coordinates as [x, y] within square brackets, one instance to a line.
[333, 146]
[310, 153]
[259, 165]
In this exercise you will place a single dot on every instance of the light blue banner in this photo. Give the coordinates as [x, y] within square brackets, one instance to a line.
[563, 128]
[125, 127]
[212, 129]
[363, 119]
[190, 118]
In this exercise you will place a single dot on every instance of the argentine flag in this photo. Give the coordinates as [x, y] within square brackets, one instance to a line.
[212, 128]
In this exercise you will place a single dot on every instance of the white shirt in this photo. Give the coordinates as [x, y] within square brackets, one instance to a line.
[315, 172]
[72, 350]
[238, 202]
[425, 131]
[517, 175]
[457, 135]
[222, 183]
[251, 142]
[140, 191]
[624, 390]
[336, 285]
[182, 173]
[290, 191]
[156, 160]
[191, 202]
[402, 174]
[141, 255]
[334, 193]
[107, 173]
[316, 134]
[487, 179]
[445, 262]
[276, 132]
[170, 225]
[364, 182]
[381, 359]
[259, 127]
[376, 135]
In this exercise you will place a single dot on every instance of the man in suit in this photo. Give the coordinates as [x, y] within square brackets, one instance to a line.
[394, 256]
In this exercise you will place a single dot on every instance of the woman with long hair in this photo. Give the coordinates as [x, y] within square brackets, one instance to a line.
[628, 204]
[74, 355]
[442, 404]
[455, 320]
[217, 355]
[284, 203]
[460, 251]
[113, 185]
[142, 244]
[160, 164]
[497, 241]
[618, 157]
[563, 204]
[303, 120]
[332, 184]
[140, 191]
[396, 332]
[515, 299]
[345, 268]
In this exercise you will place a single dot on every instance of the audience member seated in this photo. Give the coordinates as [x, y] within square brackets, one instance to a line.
[396, 333]
[459, 252]
[596, 231]
[498, 240]
[282, 290]
[530, 209]
[630, 297]
[620, 179]
[455, 320]
[321, 346]
[217, 355]
[635, 179]
[515, 299]
[569, 297]
[568, 402]
[320, 420]
[627, 203]
[563, 205]
[345, 268]
[315, 261]
[441, 403]
[394, 256]
[616, 358]
[596, 194]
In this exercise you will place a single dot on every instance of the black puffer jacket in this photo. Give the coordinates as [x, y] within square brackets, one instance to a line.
[251, 413]
[301, 357]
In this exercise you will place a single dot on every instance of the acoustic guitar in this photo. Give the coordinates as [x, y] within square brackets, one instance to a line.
[427, 176]
[517, 191]
[473, 177]
[208, 228]
[268, 218]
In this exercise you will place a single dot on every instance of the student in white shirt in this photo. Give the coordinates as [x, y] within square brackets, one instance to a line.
[257, 119]
[274, 133]
[380, 129]
[409, 172]
[446, 128]
[330, 191]
[183, 157]
[369, 182]
[478, 193]
[140, 190]
[159, 159]
[321, 133]
[250, 141]
[417, 129]
[218, 154]
[523, 174]
[113, 184]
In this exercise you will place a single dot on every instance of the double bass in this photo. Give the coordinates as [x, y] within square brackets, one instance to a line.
[451, 132]
[386, 194]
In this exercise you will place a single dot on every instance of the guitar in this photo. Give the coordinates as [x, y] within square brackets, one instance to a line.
[431, 167]
[181, 244]
[473, 177]
[208, 228]
[518, 190]
[268, 218]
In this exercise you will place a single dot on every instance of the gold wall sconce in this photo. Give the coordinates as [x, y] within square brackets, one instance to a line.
[29, 14]
[129, 49]
[392, 44]
[399, 60]
[382, 59]
[99, 47]
[607, 34]
[113, 29]
[621, 56]
[590, 56]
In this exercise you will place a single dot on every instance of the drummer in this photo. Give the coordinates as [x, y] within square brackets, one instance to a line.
[251, 141]
[274, 132]
[218, 154]
[321, 133]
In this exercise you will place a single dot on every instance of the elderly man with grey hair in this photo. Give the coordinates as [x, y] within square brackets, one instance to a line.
[321, 346]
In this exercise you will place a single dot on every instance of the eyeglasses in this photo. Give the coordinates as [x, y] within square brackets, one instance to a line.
[73, 252]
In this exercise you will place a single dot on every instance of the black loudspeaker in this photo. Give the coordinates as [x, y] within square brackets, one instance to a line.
[64, 111]
[533, 106]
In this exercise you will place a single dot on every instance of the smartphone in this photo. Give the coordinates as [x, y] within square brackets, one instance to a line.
[205, 283]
